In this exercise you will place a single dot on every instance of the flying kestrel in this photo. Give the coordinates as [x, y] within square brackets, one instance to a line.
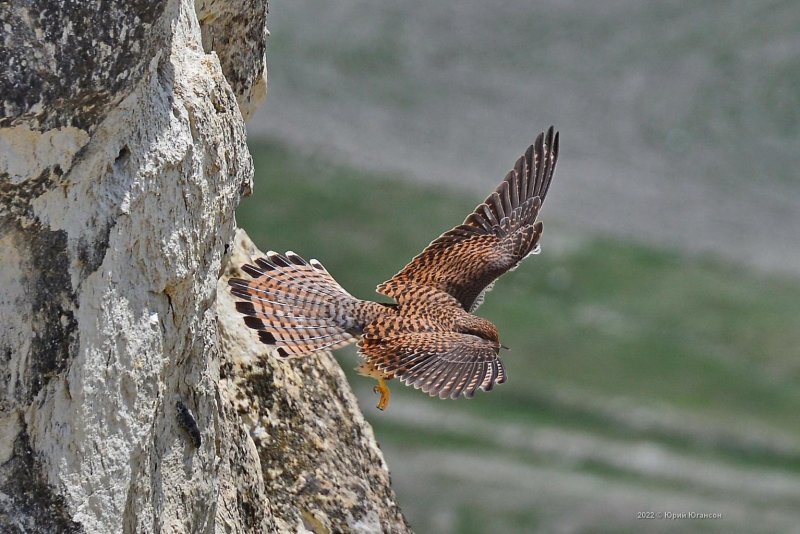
[428, 338]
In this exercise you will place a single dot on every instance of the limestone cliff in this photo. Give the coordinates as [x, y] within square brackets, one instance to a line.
[122, 159]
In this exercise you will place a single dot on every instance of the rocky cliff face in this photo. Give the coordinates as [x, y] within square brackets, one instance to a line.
[131, 399]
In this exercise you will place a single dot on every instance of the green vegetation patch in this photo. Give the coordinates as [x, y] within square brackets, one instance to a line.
[607, 316]
[613, 319]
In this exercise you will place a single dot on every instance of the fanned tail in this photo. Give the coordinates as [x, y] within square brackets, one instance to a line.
[296, 306]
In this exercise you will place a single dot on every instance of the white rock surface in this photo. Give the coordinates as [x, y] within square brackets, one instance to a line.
[122, 159]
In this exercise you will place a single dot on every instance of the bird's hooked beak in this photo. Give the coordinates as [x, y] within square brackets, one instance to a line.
[504, 347]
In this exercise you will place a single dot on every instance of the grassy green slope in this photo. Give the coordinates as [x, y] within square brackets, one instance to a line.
[613, 344]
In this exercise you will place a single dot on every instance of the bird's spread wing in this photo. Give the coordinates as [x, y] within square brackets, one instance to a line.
[443, 364]
[500, 233]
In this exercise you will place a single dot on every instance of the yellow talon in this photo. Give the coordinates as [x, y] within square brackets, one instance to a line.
[368, 369]
[383, 389]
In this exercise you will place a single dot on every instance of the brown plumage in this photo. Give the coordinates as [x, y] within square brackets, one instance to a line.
[428, 338]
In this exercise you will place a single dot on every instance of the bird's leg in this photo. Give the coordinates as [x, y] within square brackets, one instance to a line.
[383, 389]
[367, 369]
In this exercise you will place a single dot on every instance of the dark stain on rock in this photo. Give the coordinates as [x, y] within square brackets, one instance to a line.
[260, 384]
[53, 305]
[15, 199]
[31, 505]
[92, 250]
[55, 78]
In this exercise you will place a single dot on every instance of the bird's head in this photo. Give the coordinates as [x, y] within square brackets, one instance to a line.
[480, 327]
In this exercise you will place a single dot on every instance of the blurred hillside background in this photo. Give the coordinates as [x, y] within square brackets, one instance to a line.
[655, 362]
